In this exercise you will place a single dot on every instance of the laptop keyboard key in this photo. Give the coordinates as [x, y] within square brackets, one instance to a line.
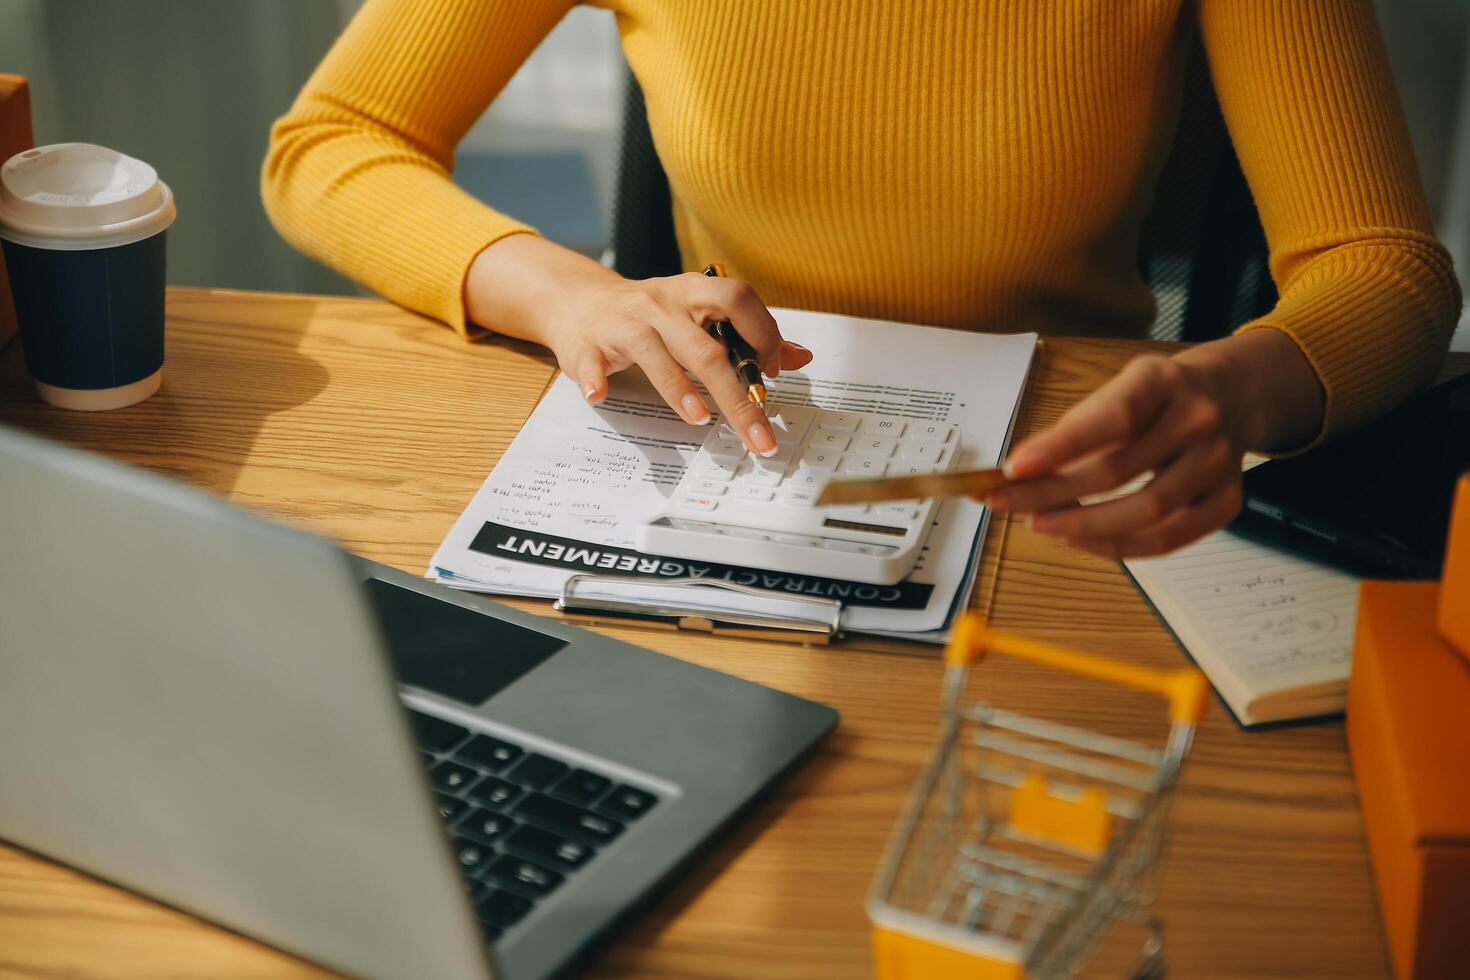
[538, 771]
[449, 807]
[471, 854]
[562, 817]
[582, 787]
[550, 849]
[502, 909]
[627, 803]
[495, 793]
[489, 753]
[451, 777]
[435, 734]
[485, 826]
[522, 875]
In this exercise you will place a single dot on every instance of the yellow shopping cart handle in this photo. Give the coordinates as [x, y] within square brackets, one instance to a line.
[1186, 688]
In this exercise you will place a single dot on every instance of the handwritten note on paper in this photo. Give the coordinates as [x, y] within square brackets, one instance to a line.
[1267, 618]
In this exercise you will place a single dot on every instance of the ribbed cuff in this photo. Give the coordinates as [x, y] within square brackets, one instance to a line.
[1369, 332]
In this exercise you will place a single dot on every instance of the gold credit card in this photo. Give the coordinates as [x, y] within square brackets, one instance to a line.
[962, 483]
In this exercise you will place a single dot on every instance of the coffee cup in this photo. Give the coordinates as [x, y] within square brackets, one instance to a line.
[83, 230]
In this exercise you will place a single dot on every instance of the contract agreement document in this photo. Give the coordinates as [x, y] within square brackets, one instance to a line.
[574, 484]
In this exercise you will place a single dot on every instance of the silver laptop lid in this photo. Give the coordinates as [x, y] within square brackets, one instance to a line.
[195, 704]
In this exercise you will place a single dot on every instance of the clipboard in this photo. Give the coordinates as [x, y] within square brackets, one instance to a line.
[824, 625]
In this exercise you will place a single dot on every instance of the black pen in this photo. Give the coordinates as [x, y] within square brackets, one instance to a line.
[741, 355]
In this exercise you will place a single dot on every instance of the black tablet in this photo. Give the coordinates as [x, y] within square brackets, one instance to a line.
[1375, 503]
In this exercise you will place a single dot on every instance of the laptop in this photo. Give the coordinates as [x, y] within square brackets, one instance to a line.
[1376, 502]
[350, 763]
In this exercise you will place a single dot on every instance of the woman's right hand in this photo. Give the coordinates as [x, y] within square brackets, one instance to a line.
[596, 322]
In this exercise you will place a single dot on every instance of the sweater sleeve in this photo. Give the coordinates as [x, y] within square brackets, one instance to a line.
[1367, 292]
[357, 174]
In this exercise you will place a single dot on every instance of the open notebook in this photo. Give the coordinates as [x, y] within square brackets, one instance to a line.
[1273, 631]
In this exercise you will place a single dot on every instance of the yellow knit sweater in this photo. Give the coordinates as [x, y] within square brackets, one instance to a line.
[982, 164]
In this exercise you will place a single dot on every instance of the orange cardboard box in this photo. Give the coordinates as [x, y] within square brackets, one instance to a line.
[15, 135]
[1454, 588]
[1408, 726]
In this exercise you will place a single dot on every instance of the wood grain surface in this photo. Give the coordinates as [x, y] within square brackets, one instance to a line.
[374, 427]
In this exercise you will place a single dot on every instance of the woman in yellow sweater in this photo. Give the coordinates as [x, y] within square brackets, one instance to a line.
[979, 164]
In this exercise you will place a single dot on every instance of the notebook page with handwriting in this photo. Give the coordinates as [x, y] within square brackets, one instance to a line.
[1272, 630]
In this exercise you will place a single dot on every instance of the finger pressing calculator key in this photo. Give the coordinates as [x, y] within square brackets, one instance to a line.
[736, 509]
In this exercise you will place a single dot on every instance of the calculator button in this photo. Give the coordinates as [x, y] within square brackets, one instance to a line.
[865, 466]
[706, 488]
[754, 493]
[881, 446]
[802, 540]
[855, 547]
[708, 469]
[908, 467]
[703, 527]
[697, 503]
[723, 431]
[787, 436]
[839, 421]
[907, 512]
[834, 441]
[931, 431]
[718, 445]
[762, 476]
[790, 418]
[820, 459]
[882, 425]
[813, 480]
[799, 498]
[780, 457]
[920, 449]
[848, 510]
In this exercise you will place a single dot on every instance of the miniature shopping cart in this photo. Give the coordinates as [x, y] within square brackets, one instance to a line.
[1026, 839]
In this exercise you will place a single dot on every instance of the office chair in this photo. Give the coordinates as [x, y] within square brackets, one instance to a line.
[1202, 250]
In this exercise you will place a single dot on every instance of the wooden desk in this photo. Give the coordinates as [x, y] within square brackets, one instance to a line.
[374, 427]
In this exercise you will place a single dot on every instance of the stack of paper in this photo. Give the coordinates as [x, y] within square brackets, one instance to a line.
[578, 479]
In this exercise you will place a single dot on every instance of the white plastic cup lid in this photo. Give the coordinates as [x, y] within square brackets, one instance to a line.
[75, 196]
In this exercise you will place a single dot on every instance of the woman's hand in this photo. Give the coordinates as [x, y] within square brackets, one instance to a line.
[596, 322]
[1188, 420]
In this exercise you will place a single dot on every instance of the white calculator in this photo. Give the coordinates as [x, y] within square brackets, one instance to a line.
[734, 508]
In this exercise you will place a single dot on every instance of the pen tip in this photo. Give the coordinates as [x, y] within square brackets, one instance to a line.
[758, 395]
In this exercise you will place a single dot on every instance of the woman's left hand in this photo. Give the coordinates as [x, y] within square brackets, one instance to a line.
[1188, 419]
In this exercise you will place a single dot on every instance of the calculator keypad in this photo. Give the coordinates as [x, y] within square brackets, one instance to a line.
[728, 493]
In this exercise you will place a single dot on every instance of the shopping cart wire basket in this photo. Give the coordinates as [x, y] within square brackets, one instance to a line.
[1025, 839]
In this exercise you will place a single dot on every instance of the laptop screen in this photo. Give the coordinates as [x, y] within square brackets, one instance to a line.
[453, 651]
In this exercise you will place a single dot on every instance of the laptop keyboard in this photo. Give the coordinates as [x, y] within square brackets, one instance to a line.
[520, 822]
